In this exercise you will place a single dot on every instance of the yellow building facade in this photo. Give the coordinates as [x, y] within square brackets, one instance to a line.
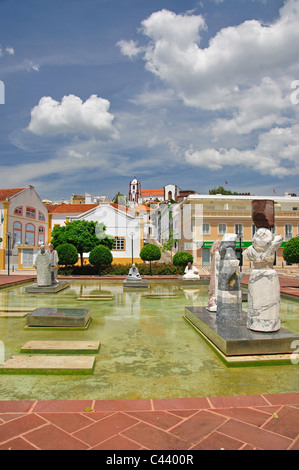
[203, 219]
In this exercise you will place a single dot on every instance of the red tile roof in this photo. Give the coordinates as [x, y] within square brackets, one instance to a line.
[150, 192]
[81, 208]
[7, 193]
[70, 208]
[143, 207]
[120, 207]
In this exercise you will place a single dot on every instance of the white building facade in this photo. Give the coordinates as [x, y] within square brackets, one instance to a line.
[126, 229]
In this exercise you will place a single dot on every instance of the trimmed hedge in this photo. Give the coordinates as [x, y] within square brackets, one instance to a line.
[150, 253]
[67, 254]
[182, 258]
[291, 251]
[158, 269]
[100, 256]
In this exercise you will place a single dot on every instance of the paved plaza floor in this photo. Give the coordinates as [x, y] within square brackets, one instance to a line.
[261, 422]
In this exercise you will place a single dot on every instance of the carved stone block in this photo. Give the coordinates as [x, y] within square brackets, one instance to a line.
[262, 212]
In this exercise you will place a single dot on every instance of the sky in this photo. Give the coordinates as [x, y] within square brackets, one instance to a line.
[199, 94]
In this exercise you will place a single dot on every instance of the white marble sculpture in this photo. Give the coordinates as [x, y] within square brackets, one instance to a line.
[43, 267]
[190, 272]
[133, 274]
[214, 273]
[263, 287]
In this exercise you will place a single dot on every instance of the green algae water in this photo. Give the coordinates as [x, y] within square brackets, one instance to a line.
[147, 349]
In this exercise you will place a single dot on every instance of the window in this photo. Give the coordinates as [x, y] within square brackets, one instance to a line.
[222, 229]
[42, 217]
[273, 229]
[30, 212]
[239, 229]
[18, 211]
[288, 232]
[119, 243]
[17, 233]
[205, 229]
[41, 235]
[30, 235]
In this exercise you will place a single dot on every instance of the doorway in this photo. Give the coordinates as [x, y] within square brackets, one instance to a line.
[206, 256]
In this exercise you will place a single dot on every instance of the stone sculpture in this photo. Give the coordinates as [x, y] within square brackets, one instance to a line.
[54, 262]
[133, 274]
[262, 213]
[134, 279]
[263, 287]
[190, 272]
[43, 267]
[214, 273]
[229, 295]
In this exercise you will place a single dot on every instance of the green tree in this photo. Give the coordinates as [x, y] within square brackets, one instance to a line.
[150, 253]
[67, 254]
[100, 256]
[221, 190]
[291, 251]
[84, 235]
[170, 243]
[182, 258]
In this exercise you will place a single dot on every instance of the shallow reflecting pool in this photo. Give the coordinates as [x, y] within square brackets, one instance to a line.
[147, 349]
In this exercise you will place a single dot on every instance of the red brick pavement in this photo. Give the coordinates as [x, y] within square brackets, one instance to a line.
[263, 422]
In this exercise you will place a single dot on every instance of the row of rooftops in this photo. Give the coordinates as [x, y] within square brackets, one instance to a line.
[66, 208]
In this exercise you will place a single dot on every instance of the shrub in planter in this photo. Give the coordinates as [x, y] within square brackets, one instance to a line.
[100, 256]
[67, 254]
[182, 258]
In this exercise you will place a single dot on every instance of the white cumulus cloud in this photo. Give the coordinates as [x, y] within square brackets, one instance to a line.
[241, 81]
[73, 116]
[237, 56]
[129, 48]
[275, 154]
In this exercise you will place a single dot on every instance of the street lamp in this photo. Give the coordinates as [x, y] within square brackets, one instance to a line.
[132, 246]
[241, 253]
[8, 234]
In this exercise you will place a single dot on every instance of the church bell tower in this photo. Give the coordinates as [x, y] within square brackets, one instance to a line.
[134, 191]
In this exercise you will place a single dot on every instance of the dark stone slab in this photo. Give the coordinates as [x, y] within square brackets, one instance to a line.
[58, 317]
[53, 289]
[238, 340]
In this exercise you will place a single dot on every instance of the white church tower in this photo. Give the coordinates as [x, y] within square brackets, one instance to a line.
[135, 191]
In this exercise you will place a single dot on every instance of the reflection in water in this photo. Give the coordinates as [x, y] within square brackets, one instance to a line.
[147, 349]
